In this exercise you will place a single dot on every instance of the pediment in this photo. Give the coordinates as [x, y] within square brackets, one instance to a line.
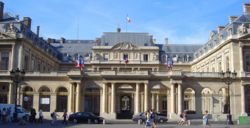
[124, 46]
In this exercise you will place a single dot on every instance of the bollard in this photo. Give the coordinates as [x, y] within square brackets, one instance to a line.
[189, 122]
[89, 121]
[103, 122]
[139, 122]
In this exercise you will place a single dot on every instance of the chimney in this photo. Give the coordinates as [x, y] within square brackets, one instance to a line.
[246, 8]
[118, 29]
[27, 22]
[166, 41]
[220, 28]
[1, 10]
[49, 40]
[232, 18]
[62, 41]
[37, 30]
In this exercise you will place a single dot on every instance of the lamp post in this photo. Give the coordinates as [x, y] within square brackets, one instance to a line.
[16, 76]
[228, 78]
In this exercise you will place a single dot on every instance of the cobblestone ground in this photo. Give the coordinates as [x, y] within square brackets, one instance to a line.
[114, 124]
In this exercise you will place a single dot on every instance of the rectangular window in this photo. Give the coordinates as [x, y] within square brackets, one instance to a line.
[26, 63]
[105, 56]
[125, 56]
[4, 60]
[145, 57]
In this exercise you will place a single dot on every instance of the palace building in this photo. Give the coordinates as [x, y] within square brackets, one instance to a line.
[127, 72]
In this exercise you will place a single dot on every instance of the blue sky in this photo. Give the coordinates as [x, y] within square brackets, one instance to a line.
[182, 21]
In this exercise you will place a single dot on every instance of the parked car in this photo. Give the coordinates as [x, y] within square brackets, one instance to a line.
[21, 113]
[161, 118]
[85, 117]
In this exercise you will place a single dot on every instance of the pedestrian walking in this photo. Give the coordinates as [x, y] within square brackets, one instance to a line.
[65, 116]
[153, 118]
[33, 115]
[40, 113]
[8, 115]
[148, 120]
[54, 116]
[4, 114]
[205, 119]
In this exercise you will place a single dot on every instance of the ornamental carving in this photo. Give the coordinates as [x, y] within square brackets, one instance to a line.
[124, 46]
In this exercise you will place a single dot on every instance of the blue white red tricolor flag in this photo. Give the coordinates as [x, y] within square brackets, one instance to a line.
[126, 60]
[79, 63]
[128, 19]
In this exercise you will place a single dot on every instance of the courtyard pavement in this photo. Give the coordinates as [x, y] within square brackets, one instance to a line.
[118, 124]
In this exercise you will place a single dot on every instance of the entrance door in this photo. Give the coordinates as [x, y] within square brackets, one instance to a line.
[247, 99]
[125, 107]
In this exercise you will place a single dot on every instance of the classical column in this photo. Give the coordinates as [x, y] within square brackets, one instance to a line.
[53, 102]
[146, 96]
[137, 98]
[243, 109]
[179, 99]
[104, 107]
[78, 98]
[10, 95]
[70, 98]
[20, 56]
[241, 57]
[157, 102]
[36, 101]
[172, 99]
[153, 101]
[21, 97]
[113, 98]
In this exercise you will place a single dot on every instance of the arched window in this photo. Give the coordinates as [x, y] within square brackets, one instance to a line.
[27, 98]
[207, 100]
[189, 99]
[44, 99]
[61, 99]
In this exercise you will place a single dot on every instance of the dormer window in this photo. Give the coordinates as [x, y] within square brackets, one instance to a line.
[106, 44]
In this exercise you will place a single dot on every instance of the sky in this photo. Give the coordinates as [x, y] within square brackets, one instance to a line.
[181, 21]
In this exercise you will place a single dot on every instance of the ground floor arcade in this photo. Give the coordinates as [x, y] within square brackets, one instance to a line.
[121, 99]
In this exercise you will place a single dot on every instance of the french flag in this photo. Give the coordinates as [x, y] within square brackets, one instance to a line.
[79, 63]
[126, 60]
[128, 19]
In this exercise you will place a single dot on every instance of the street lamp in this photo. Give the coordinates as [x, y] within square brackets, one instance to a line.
[228, 78]
[16, 76]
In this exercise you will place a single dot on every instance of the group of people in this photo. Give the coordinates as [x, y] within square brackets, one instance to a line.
[151, 119]
[5, 115]
[184, 120]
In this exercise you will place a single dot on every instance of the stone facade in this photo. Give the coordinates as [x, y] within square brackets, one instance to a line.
[114, 89]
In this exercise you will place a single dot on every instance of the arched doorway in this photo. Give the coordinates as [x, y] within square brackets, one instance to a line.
[44, 99]
[27, 98]
[4, 89]
[61, 99]
[247, 99]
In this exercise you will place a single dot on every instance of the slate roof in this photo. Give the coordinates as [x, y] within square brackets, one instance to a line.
[138, 39]
[72, 48]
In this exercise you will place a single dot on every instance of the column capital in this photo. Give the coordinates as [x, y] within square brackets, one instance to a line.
[172, 81]
[241, 44]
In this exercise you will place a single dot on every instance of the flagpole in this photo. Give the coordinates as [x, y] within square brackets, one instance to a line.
[126, 23]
